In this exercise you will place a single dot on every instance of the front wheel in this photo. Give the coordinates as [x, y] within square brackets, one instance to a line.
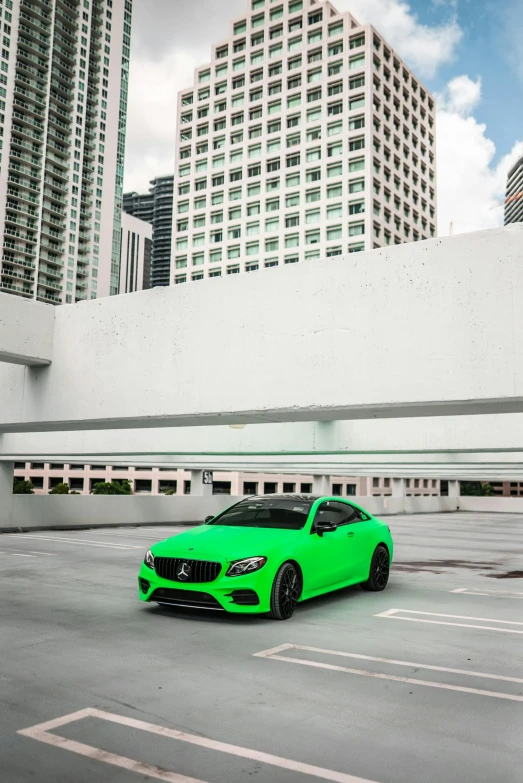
[379, 571]
[285, 592]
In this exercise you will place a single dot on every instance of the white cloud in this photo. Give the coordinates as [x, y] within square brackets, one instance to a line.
[151, 119]
[469, 183]
[462, 95]
[422, 47]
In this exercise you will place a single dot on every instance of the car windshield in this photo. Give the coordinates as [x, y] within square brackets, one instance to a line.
[285, 514]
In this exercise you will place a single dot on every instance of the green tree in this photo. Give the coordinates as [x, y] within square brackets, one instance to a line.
[475, 488]
[112, 488]
[170, 492]
[60, 489]
[21, 487]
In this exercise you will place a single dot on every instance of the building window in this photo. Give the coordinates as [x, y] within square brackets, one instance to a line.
[270, 488]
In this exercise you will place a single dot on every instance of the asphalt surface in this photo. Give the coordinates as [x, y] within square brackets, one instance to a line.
[73, 637]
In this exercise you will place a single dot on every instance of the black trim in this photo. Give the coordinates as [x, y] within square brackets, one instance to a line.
[244, 597]
[193, 599]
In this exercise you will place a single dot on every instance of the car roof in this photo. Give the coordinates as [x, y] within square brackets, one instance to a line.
[290, 496]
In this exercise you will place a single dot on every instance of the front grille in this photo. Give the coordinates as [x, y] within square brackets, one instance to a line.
[197, 571]
[189, 598]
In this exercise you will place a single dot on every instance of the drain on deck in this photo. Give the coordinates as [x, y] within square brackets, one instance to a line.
[507, 575]
[441, 566]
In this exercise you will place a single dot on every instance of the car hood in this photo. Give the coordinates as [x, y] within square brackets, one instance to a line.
[223, 542]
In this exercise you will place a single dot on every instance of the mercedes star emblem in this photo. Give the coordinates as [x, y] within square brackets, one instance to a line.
[182, 572]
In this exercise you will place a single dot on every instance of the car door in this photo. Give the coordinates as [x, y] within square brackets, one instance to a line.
[361, 533]
[325, 557]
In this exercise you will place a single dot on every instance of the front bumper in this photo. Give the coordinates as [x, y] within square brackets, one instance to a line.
[249, 594]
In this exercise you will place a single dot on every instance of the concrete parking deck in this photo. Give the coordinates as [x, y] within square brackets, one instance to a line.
[421, 683]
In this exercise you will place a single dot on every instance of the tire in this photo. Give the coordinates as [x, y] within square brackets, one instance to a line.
[285, 592]
[379, 571]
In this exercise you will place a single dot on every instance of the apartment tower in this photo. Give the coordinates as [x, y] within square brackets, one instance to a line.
[156, 207]
[306, 136]
[63, 80]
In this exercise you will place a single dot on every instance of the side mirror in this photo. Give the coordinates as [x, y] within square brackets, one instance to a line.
[208, 519]
[324, 527]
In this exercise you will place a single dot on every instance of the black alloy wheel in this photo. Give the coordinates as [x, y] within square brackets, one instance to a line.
[285, 592]
[379, 570]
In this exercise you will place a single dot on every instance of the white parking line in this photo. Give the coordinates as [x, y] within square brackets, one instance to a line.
[489, 593]
[273, 655]
[42, 733]
[30, 553]
[392, 614]
[82, 542]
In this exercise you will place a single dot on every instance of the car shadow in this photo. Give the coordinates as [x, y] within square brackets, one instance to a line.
[228, 618]
[200, 615]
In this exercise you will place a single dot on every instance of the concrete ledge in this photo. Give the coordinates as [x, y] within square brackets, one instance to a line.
[26, 331]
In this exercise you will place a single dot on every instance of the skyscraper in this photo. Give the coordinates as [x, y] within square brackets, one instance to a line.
[514, 194]
[305, 136]
[156, 207]
[64, 79]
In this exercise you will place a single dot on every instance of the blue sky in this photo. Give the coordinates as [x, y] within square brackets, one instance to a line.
[491, 33]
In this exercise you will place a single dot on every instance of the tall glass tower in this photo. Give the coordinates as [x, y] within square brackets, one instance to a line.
[64, 75]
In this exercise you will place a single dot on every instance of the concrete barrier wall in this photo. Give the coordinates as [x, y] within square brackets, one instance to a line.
[62, 511]
[66, 511]
[493, 505]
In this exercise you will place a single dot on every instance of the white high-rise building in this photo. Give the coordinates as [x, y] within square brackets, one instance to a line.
[306, 136]
[63, 82]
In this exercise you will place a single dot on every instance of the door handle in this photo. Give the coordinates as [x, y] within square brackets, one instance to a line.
[351, 535]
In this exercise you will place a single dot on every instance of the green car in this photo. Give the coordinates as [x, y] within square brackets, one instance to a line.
[264, 554]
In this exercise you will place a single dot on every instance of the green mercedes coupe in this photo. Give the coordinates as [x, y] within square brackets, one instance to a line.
[265, 554]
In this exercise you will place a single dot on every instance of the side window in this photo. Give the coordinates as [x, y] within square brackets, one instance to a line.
[339, 513]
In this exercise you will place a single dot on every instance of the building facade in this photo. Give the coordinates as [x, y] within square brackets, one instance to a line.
[135, 260]
[63, 78]
[306, 136]
[156, 207]
[139, 205]
[514, 194]
[157, 481]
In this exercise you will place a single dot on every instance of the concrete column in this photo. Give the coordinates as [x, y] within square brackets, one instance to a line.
[7, 470]
[454, 489]
[321, 485]
[398, 487]
[197, 485]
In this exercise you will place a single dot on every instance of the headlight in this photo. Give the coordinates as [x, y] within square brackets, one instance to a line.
[247, 566]
[149, 560]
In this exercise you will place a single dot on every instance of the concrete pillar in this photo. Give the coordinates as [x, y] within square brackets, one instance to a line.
[398, 487]
[7, 471]
[321, 485]
[197, 485]
[454, 489]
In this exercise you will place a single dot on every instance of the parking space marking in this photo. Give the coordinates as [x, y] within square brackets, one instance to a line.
[489, 593]
[16, 554]
[275, 650]
[82, 542]
[392, 614]
[273, 655]
[42, 733]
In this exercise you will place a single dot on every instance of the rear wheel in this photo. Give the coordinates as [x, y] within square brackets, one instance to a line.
[379, 570]
[285, 592]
